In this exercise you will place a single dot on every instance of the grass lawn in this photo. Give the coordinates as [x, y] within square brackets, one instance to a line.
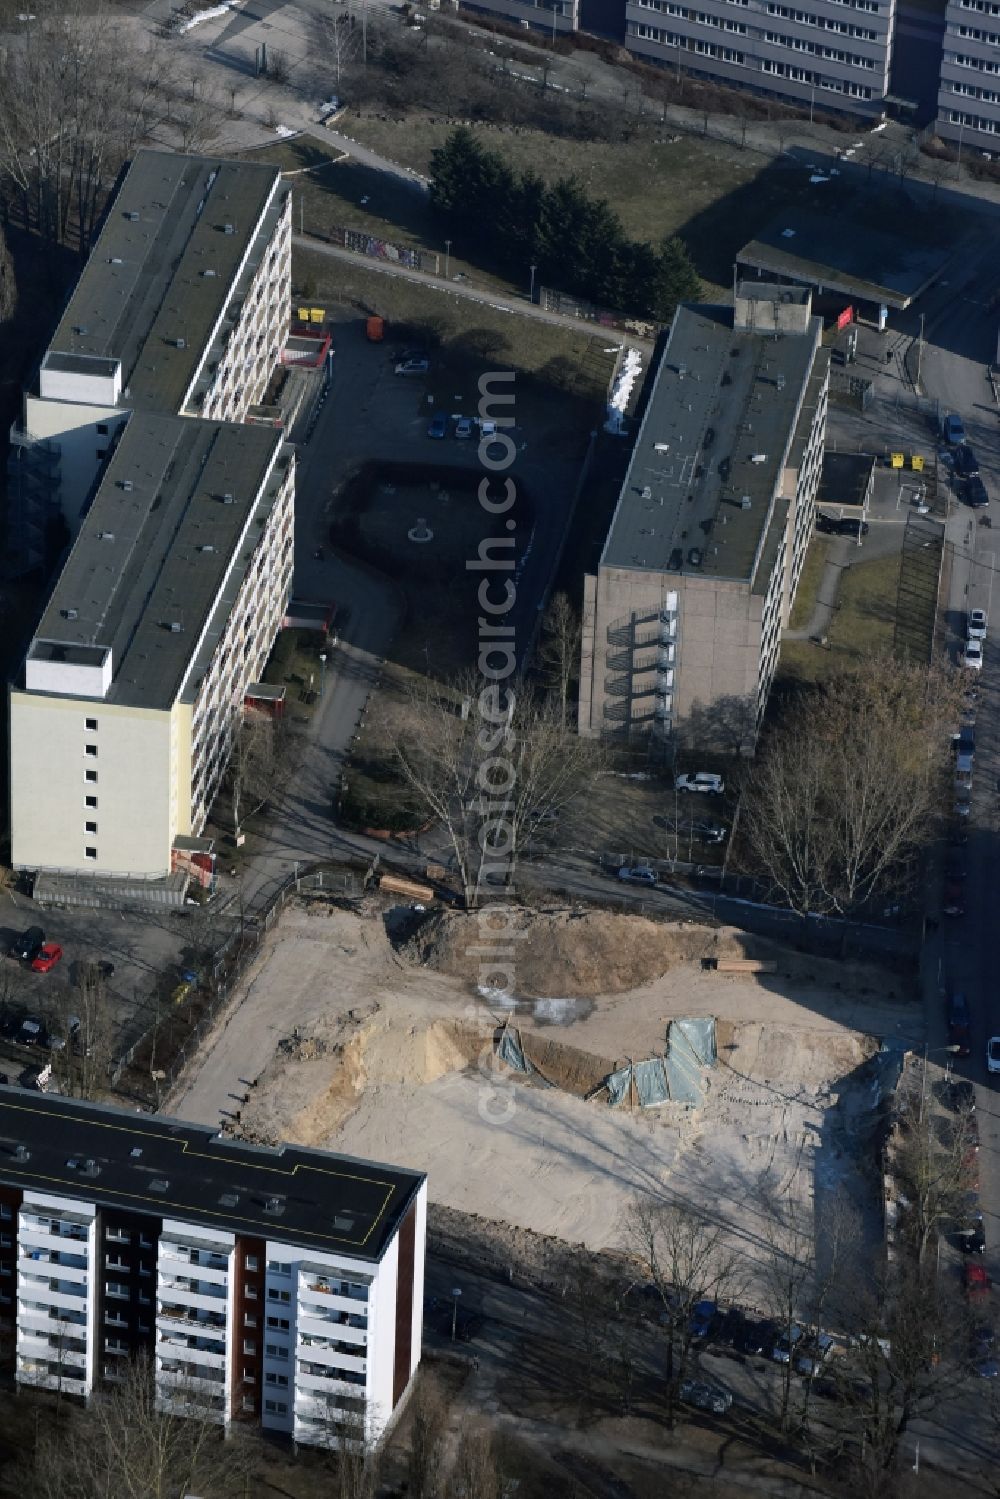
[812, 575]
[863, 622]
[575, 362]
[714, 195]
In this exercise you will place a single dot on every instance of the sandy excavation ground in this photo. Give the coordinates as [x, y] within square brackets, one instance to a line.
[387, 1052]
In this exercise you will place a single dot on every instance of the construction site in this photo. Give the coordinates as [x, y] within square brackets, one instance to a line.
[686, 1061]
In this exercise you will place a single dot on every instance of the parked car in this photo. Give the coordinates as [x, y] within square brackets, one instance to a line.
[700, 780]
[963, 806]
[637, 876]
[970, 1234]
[849, 526]
[827, 524]
[710, 832]
[953, 430]
[975, 1281]
[812, 1353]
[703, 1316]
[46, 958]
[993, 1054]
[983, 1349]
[706, 1397]
[438, 426]
[977, 624]
[788, 1340]
[32, 1032]
[966, 463]
[953, 903]
[959, 1032]
[415, 365]
[975, 493]
[972, 656]
[463, 428]
[27, 945]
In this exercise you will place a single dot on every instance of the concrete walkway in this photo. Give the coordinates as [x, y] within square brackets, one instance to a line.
[839, 557]
[469, 293]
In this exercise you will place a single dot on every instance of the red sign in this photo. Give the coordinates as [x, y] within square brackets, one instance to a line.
[846, 318]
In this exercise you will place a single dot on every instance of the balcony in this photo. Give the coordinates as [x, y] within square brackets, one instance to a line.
[177, 1319]
[37, 1349]
[32, 1265]
[192, 1352]
[204, 1300]
[336, 1334]
[327, 1363]
[49, 1375]
[57, 1294]
[322, 1294]
[190, 1380]
[33, 1232]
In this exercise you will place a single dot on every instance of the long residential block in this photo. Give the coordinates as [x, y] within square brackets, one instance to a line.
[123, 715]
[682, 621]
[282, 1286]
[182, 307]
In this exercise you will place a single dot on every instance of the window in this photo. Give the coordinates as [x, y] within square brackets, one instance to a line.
[145, 1242]
[145, 1299]
[276, 1407]
[251, 1293]
[249, 1347]
[249, 1403]
[90, 827]
[251, 1262]
[281, 1380]
[102, 452]
[90, 853]
[102, 429]
[91, 802]
[275, 1267]
[6, 1241]
[273, 1294]
[5, 1211]
[115, 1290]
[90, 724]
[276, 1350]
[115, 1262]
[91, 750]
[249, 1320]
[91, 776]
[280, 1323]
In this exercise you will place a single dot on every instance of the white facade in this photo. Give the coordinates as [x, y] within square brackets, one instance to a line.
[56, 1242]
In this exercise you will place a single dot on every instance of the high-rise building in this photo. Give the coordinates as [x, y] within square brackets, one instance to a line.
[182, 308]
[122, 719]
[969, 93]
[682, 621]
[282, 1287]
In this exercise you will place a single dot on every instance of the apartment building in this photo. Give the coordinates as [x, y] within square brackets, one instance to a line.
[820, 54]
[969, 92]
[277, 1286]
[555, 17]
[182, 308]
[122, 718]
[683, 618]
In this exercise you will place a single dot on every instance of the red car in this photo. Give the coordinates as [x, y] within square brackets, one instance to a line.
[976, 1281]
[48, 956]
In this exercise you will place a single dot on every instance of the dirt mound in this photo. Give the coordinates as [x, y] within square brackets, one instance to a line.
[566, 952]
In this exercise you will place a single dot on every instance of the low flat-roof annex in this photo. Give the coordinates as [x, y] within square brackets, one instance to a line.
[309, 1198]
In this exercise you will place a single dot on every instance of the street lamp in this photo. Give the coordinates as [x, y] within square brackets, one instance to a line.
[456, 1293]
[531, 290]
[447, 257]
[322, 672]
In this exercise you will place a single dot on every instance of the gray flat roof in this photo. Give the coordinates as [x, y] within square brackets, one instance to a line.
[844, 478]
[718, 425]
[155, 548]
[148, 1163]
[145, 288]
[838, 254]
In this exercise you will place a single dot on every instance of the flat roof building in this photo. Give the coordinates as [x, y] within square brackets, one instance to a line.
[707, 542]
[182, 307]
[283, 1286]
[164, 613]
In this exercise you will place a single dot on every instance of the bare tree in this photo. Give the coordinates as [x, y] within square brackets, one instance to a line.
[259, 765]
[476, 1469]
[846, 789]
[488, 763]
[124, 1443]
[197, 113]
[559, 649]
[427, 1432]
[81, 1064]
[933, 1168]
[8, 283]
[687, 1259]
[341, 45]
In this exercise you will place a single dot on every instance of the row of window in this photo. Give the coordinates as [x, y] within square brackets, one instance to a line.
[818, 49]
[981, 64]
[804, 18]
[973, 91]
[977, 34]
[985, 7]
[974, 122]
